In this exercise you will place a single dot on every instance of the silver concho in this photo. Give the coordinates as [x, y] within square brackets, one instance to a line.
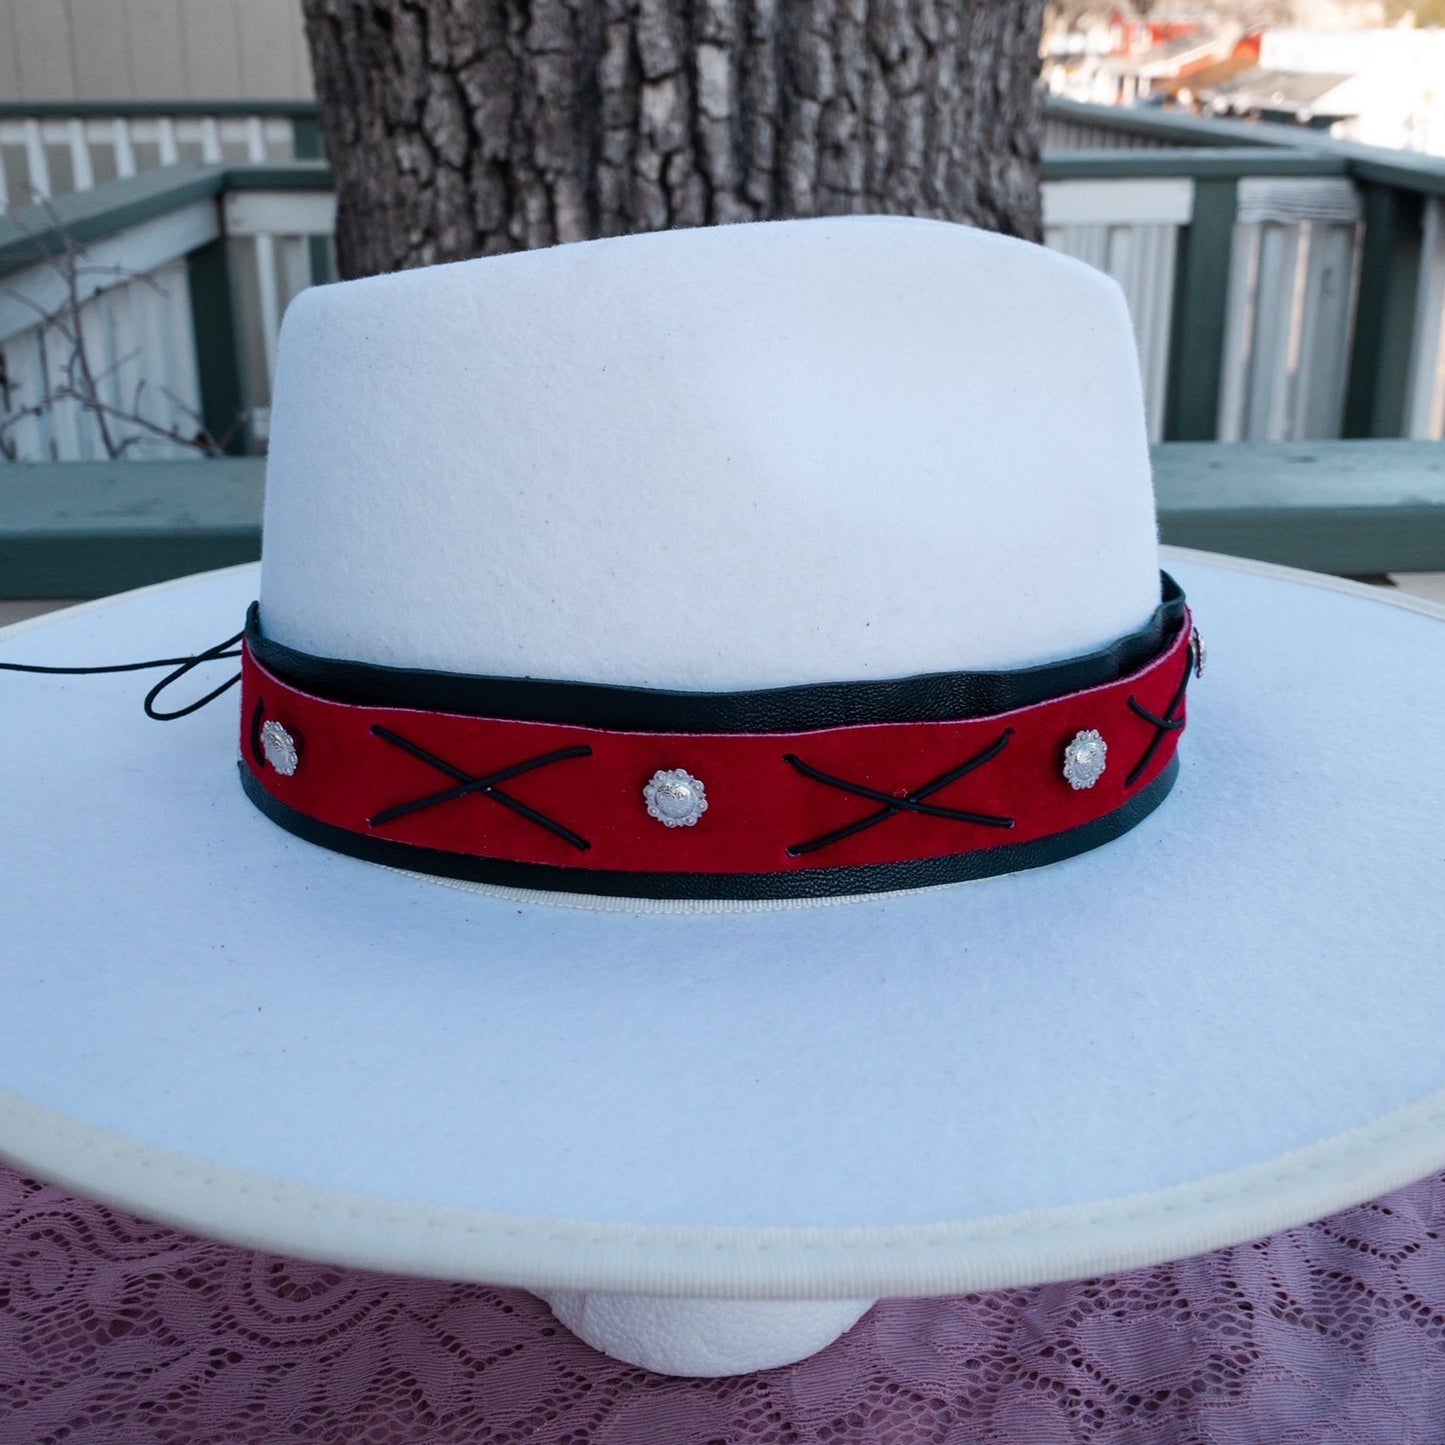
[1084, 759]
[280, 748]
[1199, 653]
[675, 798]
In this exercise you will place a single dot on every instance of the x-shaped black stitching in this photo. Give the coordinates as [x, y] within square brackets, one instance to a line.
[1171, 722]
[912, 803]
[487, 784]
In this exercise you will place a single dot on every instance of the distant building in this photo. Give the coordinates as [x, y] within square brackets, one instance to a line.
[1318, 101]
[1352, 76]
[1395, 95]
[1338, 14]
[1121, 62]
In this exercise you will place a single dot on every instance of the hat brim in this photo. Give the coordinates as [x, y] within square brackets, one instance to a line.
[1224, 1023]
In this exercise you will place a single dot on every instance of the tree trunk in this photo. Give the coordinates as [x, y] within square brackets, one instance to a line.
[469, 127]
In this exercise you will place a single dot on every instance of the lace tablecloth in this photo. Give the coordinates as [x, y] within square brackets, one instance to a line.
[115, 1331]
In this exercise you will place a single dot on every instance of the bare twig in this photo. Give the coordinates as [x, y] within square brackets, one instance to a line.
[80, 357]
[201, 441]
[83, 383]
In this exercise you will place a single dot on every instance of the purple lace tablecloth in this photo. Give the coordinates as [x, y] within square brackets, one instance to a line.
[115, 1331]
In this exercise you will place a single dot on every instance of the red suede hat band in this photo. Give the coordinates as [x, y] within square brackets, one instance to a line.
[717, 814]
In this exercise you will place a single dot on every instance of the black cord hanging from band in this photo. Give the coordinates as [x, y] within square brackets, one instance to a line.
[181, 666]
[211, 654]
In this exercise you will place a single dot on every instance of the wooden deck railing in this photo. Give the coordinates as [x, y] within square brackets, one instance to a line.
[89, 529]
[53, 149]
[175, 280]
[1238, 265]
[1311, 278]
[1279, 291]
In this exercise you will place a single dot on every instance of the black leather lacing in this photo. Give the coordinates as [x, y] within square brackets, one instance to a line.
[912, 803]
[1171, 722]
[486, 784]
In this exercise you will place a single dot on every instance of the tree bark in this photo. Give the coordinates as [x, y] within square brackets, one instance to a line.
[469, 127]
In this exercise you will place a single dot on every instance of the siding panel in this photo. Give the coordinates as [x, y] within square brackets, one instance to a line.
[9, 53]
[298, 78]
[42, 46]
[210, 41]
[101, 50]
[155, 47]
[269, 59]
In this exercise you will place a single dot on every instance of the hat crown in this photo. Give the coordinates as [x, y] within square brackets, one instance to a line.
[719, 458]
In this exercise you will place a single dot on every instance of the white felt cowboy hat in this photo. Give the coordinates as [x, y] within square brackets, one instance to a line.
[621, 606]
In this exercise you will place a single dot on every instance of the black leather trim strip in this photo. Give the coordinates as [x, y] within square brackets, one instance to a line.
[804, 883]
[930, 697]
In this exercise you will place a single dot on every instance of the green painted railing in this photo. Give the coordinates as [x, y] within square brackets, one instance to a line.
[1072, 125]
[87, 529]
[29, 234]
[53, 148]
[1395, 355]
[1358, 507]
[1283, 285]
[1078, 125]
[205, 238]
[147, 109]
[90, 529]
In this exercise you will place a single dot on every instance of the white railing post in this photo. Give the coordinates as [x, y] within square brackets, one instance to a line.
[255, 139]
[268, 296]
[36, 162]
[277, 222]
[1326, 306]
[82, 173]
[1129, 229]
[1425, 406]
[211, 151]
[1288, 313]
[170, 151]
[124, 145]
